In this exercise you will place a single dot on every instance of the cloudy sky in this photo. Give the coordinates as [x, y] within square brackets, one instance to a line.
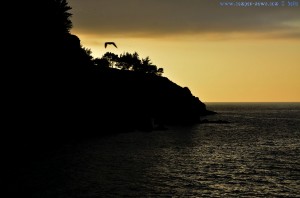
[222, 53]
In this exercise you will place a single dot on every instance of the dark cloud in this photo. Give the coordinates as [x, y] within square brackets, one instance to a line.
[158, 17]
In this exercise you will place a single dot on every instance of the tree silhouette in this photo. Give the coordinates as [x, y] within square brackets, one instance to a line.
[160, 71]
[64, 21]
[63, 48]
[57, 17]
[101, 62]
[128, 61]
[111, 58]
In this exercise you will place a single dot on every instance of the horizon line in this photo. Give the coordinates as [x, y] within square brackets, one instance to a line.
[251, 102]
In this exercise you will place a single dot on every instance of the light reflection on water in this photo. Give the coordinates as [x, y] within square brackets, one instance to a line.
[256, 155]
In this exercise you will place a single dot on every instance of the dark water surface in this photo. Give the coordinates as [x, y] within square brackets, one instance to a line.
[256, 155]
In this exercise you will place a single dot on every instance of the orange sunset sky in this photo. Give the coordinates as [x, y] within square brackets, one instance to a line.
[222, 53]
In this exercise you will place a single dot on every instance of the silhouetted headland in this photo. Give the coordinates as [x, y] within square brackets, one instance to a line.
[59, 91]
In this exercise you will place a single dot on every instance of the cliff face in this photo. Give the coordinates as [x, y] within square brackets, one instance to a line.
[96, 102]
[129, 100]
[61, 94]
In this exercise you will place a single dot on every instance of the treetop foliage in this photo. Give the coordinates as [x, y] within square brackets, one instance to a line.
[128, 61]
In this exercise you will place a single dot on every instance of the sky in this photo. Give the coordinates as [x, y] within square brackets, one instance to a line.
[222, 53]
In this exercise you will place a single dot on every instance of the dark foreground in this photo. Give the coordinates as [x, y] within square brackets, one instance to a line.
[255, 155]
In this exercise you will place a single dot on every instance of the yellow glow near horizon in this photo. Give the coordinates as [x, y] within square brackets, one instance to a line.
[218, 70]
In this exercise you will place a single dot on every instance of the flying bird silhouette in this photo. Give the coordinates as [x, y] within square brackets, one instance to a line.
[110, 43]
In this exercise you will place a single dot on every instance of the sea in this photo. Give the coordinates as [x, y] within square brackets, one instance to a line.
[255, 154]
